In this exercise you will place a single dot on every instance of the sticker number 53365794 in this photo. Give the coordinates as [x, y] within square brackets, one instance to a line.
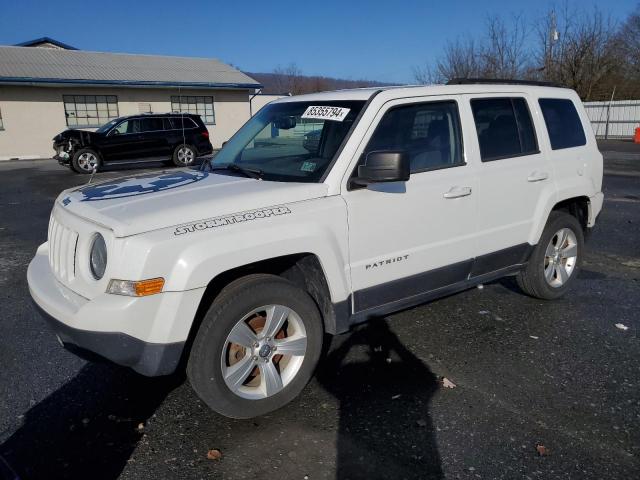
[325, 113]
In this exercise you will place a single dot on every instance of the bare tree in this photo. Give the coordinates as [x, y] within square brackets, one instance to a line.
[288, 79]
[459, 60]
[578, 49]
[501, 53]
[629, 44]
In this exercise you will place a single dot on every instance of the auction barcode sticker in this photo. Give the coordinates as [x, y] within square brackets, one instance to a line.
[326, 113]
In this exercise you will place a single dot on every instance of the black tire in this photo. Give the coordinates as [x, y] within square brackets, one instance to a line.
[184, 155]
[78, 162]
[532, 278]
[240, 297]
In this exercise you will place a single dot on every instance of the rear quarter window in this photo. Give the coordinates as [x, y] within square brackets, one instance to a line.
[563, 123]
[179, 123]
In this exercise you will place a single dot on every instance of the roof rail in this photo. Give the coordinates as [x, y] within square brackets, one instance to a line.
[500, 81]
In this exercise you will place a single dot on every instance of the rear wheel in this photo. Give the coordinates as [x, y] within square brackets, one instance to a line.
[257, 347]
[554, 264]
[85, 160]
[184, 156]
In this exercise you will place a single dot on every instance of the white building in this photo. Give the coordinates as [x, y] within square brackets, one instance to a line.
[47, 87]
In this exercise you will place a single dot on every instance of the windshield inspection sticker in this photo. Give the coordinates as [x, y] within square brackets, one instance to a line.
[231, 219]
[336, 114]
[308, 167]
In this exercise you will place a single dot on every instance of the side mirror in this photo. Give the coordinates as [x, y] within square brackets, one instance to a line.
[383, 167]
[113, 132]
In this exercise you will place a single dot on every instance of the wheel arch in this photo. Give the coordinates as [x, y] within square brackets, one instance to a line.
[578, 206]
[88, 146]
[302, 269]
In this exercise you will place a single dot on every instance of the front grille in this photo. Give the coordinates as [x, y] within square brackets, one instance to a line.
[62, 250]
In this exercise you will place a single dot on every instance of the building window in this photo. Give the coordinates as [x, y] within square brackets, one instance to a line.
[144, 108]
[90, 110]
[202, 106]
[1, 124]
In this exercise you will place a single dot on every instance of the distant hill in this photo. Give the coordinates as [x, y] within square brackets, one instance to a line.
[297, 84]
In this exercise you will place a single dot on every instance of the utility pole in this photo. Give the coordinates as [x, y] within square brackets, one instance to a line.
[554, 35]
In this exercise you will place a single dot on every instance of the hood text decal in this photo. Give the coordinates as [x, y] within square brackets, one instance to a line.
[231, 219]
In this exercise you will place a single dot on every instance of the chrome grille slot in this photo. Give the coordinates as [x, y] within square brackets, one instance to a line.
[62, 250]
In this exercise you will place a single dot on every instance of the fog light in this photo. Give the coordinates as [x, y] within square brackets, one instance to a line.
[140, 288]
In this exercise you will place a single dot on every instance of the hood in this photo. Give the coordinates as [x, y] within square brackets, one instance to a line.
[146, 202]
[82, 136]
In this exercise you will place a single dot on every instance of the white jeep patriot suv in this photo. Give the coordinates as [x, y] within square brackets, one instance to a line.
[321, 212]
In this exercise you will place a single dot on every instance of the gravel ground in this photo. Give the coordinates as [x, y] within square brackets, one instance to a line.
[559, 375]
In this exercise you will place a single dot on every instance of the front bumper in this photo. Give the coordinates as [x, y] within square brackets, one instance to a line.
[150, 359]
[205, 149]
[66, 161]
[62, 156]
[147, 334]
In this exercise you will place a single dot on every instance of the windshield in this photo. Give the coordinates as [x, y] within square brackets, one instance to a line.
[291, 141]
[107, 126]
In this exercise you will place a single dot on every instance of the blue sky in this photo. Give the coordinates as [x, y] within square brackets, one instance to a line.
[378, 40]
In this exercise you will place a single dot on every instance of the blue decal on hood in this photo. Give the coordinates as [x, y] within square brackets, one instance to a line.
[139, 185]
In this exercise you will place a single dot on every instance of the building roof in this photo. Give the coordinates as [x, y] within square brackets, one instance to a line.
[56, 66]
[46, 42]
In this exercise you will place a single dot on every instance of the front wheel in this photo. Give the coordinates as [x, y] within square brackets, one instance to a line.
[85, 161]
[554, 264]
[256, 348]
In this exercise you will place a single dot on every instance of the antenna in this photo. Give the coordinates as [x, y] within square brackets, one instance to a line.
[94, 169]
[184, 138]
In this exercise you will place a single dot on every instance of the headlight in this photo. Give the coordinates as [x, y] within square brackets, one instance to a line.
[98, 257]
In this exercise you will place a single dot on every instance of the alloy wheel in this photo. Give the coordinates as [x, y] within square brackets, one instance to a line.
[263, 352]
[87, 161]
[186, 155]
[560, 257]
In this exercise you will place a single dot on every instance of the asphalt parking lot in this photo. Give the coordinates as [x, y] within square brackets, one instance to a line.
[528, 373]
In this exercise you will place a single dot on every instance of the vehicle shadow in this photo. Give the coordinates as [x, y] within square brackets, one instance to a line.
[384, 391]
[89, 427]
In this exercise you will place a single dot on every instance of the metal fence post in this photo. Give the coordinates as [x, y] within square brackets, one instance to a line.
[606, 128]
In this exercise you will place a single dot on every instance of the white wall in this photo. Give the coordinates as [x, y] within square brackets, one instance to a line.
[260, 100]
[32, 115]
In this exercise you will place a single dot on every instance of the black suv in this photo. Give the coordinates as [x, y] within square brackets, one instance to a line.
[171, 137]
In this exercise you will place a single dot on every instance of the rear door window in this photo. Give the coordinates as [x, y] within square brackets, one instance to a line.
[152, 124]
[563, 123]
[504, 128]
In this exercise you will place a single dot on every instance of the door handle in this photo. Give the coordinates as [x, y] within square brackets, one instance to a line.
[537, 176]
[457, 192]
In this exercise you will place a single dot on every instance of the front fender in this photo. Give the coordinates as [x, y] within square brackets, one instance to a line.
[192, 257]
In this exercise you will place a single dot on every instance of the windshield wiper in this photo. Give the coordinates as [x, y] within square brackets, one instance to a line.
[247, 172]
